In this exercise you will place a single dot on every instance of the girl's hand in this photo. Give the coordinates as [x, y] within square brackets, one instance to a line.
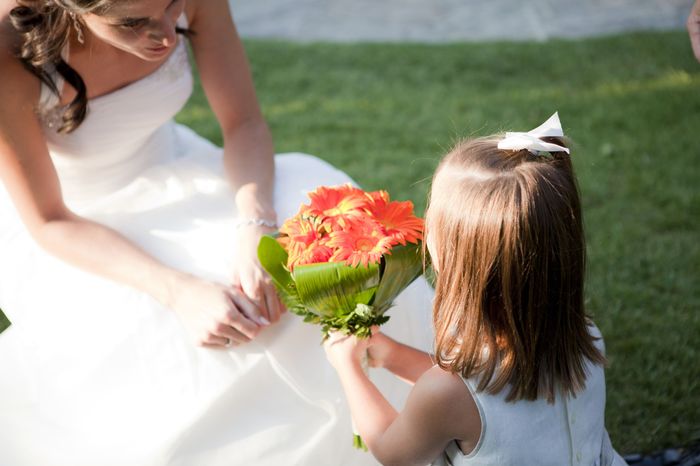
[249, 277]
[380, 348]
[215, 315]
[404, 361]
[345, 350]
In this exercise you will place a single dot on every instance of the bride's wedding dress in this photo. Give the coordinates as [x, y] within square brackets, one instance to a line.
[95, 373]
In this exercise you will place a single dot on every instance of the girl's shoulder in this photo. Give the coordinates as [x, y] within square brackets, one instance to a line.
[445, 397]
[442, 383]
[595, 332]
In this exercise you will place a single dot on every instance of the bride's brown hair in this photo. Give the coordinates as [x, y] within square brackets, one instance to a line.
[507, 233]
[45, 27]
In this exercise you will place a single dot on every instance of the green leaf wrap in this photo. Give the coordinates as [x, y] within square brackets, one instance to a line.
[401, 268]
[4, 322]
[333, 289]
[338, 296]
[273, 259]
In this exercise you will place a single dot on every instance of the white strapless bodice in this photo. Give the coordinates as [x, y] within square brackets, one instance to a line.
[126, 131]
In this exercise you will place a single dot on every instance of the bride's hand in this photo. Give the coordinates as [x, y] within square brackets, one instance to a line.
[214, 314]
[249, 276]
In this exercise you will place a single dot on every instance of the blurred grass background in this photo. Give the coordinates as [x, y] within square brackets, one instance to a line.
[386, 113]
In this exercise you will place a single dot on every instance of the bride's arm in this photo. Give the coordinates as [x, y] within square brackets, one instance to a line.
[7, 37]
[227, 83]
[248, 148]
[211, 311]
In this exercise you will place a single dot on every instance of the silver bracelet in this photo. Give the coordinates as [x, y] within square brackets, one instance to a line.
[261, 222]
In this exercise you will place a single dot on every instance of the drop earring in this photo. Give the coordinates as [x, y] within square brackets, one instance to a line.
[78, 28]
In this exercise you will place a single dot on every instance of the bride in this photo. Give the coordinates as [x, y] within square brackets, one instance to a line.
[144, 330]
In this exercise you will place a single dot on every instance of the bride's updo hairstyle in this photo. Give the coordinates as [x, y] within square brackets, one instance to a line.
[507, 233]
[45, 26]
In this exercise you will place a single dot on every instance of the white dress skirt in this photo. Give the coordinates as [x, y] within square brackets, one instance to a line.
[96, 373]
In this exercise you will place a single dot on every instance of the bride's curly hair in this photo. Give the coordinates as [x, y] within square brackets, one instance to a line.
[45, 27]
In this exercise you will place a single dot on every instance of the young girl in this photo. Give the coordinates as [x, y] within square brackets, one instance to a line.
[519, 375]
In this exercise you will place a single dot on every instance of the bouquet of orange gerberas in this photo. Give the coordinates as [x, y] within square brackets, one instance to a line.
[344, 257]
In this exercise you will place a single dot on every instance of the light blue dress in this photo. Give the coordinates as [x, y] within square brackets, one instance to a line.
[536, 433]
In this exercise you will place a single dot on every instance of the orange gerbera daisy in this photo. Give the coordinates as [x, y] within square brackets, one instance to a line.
[363, 243]
[314, 253]
[300, 230]
[335, 205]
[396, 217]
[304, 241]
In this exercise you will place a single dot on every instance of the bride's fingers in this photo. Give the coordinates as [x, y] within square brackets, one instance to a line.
[260, 299]
[243, 317]
[280, 304]
[214, 341]
[231, 334]
[255, 295]
[273, 304]
[278, 300]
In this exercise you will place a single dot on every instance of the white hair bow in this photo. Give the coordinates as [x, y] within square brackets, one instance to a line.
[532, 140]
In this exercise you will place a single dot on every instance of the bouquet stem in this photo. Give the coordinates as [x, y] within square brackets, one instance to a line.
[357, 441]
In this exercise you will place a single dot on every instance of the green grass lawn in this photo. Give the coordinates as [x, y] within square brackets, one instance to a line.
[386, 113]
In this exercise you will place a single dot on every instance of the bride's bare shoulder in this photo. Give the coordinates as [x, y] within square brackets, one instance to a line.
[16, 79]
[193, 7]
[8, 35]
[6, 6]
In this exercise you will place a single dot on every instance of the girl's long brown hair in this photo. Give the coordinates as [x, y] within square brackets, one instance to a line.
[507, 234]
